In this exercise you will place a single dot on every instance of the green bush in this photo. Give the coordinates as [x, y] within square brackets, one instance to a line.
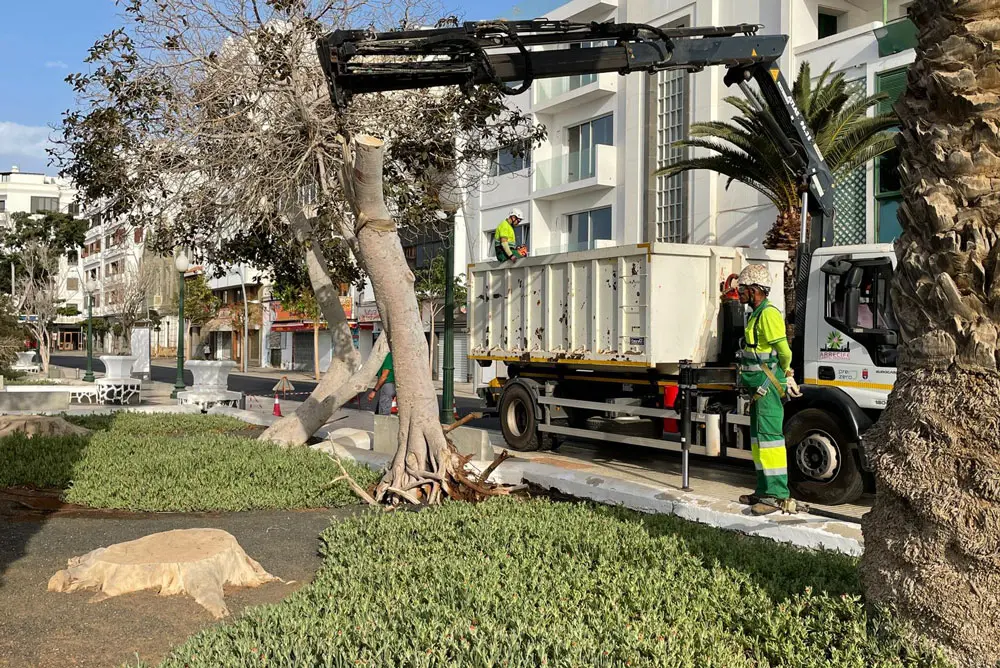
[159, 423]
[204, 472]
[42, 461]
[514, 584]
[174, 463]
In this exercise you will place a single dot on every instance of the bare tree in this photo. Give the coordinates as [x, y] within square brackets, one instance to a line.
[128, 297]
[38, 294]
[212, 123]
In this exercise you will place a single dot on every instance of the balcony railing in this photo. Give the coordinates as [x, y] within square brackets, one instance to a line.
[571, 167]
[896, 37]
[546, 89]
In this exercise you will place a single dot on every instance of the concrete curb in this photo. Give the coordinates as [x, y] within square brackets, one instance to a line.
[803, 530]
[108, 410]
[259, 419]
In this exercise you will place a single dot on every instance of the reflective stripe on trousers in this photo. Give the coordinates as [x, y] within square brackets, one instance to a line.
[767, 439]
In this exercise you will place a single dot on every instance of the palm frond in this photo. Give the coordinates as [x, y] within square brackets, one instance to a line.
[869, 152]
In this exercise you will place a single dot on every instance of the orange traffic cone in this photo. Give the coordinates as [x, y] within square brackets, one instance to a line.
[395, 408]
[277, 407]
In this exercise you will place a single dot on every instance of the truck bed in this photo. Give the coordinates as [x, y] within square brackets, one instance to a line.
[637, 306]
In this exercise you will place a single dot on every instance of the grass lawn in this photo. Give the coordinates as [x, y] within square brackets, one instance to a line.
[511, 584]
[173, 463]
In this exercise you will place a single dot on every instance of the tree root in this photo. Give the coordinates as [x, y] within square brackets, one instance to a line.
[358, 489]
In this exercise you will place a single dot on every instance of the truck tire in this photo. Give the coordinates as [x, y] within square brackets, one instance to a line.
[517, 419]
[822, 467]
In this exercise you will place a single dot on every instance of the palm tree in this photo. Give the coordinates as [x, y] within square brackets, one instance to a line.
[932, 539]
[836, 111]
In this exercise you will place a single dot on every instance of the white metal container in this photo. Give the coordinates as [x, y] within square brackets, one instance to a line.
[645, 305]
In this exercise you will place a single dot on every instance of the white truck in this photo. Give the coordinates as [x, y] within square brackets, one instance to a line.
[594, 344]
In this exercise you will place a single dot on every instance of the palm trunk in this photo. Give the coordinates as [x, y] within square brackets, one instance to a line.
[425, 465]
[784, 235]
[932, 540]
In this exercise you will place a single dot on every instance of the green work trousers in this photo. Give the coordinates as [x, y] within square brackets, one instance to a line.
[767, 418]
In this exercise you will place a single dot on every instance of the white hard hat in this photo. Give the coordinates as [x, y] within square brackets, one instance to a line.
[516, 213]
[755, 274]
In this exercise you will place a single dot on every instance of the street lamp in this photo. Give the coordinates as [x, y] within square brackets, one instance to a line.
[182, 264]
[90, 287]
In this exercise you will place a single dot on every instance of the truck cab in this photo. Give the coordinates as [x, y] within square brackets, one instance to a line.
[848, 369]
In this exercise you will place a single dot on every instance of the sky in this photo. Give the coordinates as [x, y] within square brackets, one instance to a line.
[42, 41]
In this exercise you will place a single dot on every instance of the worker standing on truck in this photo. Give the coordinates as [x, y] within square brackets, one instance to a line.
[765, 372]
[503, 237]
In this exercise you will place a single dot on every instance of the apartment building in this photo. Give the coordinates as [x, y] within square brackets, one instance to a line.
[590, 184]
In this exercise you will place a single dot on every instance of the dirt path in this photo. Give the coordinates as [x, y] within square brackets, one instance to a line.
[38, 628]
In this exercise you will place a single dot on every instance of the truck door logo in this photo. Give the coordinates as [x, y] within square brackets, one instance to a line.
[836, 348]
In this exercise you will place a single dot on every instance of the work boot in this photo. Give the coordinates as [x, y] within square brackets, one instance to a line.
[750, 499]
[769, 505]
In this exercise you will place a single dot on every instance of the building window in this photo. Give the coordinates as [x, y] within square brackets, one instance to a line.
[888, 186]
[72, 284]
[72, 257]
[44, 204]
[583, 142]
[667, 123]
[522, 234]
[827, 24]
[4, 178]
[506, 161]
[587, 227]
[137, 237]
[74, 209]
[3, 205]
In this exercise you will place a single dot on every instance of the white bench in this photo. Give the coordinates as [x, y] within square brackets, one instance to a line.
[118, 390]
[79, 393]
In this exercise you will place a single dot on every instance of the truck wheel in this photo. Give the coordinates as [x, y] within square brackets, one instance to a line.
[822, 468]
[517, 419]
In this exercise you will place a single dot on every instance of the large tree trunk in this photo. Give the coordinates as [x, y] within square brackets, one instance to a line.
[299, 427]
[932, 540]
[425, 465]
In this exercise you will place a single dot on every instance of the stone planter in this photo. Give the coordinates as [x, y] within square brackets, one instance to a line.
[25, 359]
[117, 366]
[210, 376]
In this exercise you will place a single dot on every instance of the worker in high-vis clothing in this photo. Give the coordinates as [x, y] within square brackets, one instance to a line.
[766, 375]
[503, 237]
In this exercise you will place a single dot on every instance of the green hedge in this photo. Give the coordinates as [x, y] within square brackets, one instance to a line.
[543, 584]
[174, 463]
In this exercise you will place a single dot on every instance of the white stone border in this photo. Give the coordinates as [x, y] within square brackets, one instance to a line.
[802, 529]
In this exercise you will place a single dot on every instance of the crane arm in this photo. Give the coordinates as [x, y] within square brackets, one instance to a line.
[501, 52]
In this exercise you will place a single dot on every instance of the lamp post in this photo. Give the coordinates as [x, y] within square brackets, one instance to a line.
[182, 264]
[246, 320]
[91, 287]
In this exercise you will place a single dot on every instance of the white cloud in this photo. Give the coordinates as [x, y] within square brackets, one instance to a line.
[24, 140]
[57, 65]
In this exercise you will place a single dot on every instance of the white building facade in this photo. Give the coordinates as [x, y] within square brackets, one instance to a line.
[590, 183]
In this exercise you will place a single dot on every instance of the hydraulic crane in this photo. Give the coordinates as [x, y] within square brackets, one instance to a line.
[501, 52]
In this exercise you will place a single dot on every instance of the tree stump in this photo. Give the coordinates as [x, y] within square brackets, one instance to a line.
[197, 562]
[39, 425]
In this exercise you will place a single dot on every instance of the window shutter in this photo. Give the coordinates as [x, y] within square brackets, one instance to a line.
[892, 83]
